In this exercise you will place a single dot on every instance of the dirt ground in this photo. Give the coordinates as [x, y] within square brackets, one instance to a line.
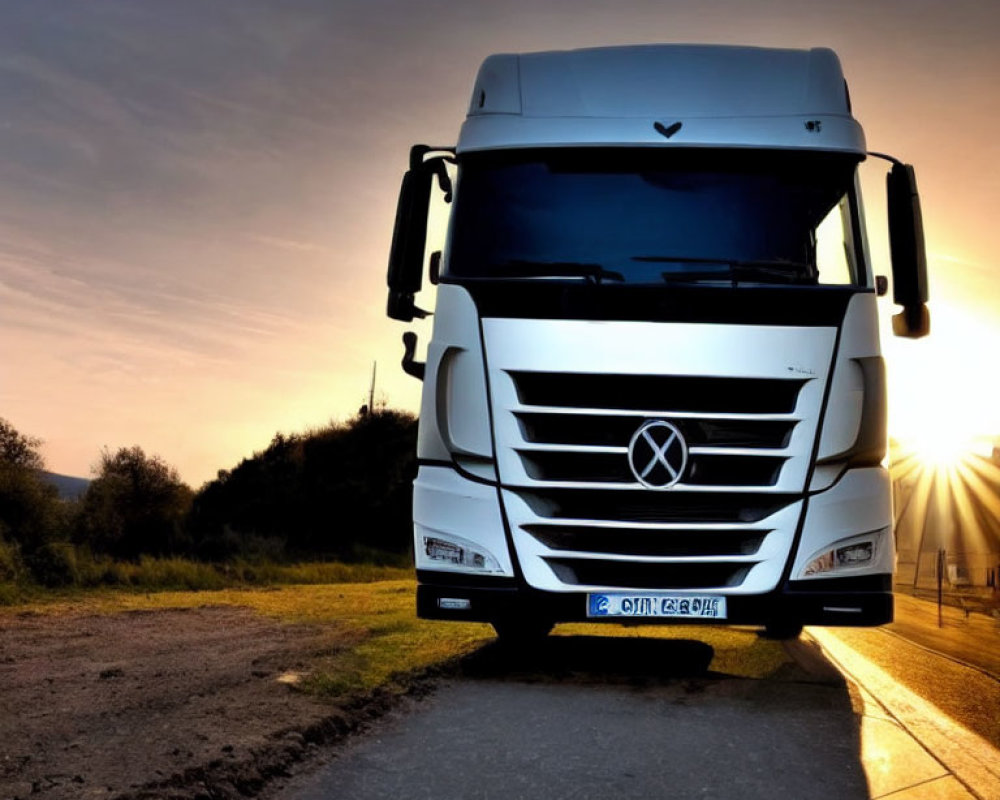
[185, 703]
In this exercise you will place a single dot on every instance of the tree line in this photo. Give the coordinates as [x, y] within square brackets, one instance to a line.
[340, 492]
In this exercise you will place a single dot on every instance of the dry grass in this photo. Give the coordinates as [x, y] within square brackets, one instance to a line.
[385, 640]
[378, 619]
[150, 574]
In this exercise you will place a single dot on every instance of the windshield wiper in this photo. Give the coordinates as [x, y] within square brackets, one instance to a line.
[523, 268]
[735, 270]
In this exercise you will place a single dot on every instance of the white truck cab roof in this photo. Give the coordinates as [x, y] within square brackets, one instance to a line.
[662, 95]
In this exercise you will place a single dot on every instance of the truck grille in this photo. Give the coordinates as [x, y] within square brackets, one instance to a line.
[565, 447]
[578, 514]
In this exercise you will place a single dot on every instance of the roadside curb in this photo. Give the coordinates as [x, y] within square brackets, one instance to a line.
[910, 750]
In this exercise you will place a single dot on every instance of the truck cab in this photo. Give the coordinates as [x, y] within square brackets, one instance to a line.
[654, 390]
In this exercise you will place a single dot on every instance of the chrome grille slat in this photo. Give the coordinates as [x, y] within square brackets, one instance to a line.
[666, 527]
[536, 447]
[634, 413]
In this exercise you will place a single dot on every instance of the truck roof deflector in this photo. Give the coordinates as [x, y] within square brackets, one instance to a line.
[666, 130]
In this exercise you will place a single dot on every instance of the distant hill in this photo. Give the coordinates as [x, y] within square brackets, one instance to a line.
[69, 487]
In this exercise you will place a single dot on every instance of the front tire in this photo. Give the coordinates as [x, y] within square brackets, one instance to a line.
[521, 634]
[782, 630]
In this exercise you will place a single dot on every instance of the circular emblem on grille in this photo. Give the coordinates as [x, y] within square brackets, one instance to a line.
[657, 454]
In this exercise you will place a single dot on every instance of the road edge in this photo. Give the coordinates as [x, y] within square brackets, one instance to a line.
[895, 731]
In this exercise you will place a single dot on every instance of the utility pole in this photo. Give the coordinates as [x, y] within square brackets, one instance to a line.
[941, 562]
[371, 391]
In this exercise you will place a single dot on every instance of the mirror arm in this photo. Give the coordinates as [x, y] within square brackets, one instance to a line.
[411, 366]
[885, 157]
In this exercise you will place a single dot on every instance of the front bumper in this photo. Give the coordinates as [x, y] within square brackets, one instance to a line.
[853, 602]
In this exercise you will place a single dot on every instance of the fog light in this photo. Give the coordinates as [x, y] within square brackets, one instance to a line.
[454, 603]
[460, 553]
[856, 553]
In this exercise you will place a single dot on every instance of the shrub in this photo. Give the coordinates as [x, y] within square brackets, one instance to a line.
[136, 505]
[11, 566]
[53, 564]
[31, 514]
[343, 491]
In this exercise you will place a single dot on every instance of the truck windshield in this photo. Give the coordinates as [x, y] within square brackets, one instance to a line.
[654, 215]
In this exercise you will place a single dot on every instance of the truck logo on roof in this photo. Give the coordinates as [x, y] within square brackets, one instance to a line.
[657, 454]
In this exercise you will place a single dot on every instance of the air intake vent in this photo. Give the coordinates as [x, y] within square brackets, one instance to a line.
[645, 506]
[643, 575]
[646, 542]
[612, 431]
[658, 393]
[703, 470]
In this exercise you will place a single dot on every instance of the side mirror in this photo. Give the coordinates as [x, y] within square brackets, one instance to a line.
[909, 259]
[409, 234]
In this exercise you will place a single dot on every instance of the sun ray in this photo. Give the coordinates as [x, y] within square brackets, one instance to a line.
[984, 528]
[985, 493]
[911, 519]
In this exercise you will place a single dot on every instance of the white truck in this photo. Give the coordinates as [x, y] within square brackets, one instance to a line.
[654, 390]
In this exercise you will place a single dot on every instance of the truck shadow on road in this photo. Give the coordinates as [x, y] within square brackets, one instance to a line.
[596, 659]
[779, 712]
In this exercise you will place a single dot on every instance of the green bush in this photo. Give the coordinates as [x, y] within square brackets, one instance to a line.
[11, 566]
[136, 505]
[10, 594]
[53, 564]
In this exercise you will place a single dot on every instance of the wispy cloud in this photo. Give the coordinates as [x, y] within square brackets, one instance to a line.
[290, 244]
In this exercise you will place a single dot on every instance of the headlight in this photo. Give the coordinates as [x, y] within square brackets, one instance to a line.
[855, 553]
[460, 553]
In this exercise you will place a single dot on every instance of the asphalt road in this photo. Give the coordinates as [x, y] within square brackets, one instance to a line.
[588, 717]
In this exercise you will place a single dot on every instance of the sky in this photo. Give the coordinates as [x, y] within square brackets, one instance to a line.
[196, 198]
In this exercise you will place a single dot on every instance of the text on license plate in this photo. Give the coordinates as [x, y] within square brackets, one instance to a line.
[655, 604]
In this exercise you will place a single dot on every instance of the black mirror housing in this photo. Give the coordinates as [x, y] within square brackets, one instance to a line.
[409, 234]
[909, 258]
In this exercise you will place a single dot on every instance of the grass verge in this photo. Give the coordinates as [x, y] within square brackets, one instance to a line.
[180, 574]
[383, 643]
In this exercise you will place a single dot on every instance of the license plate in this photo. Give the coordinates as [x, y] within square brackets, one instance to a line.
[655, 604]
